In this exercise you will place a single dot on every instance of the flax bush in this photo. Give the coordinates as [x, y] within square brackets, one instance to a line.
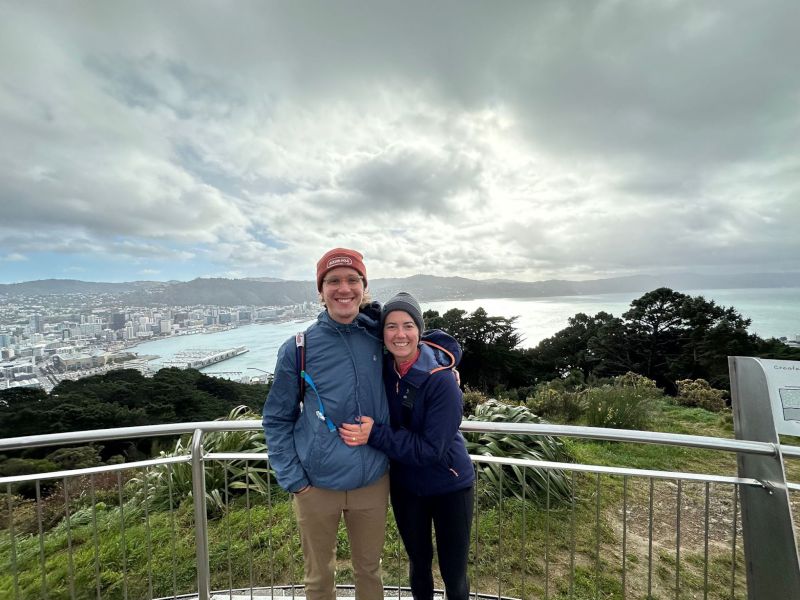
[155, 484]
[522, 482]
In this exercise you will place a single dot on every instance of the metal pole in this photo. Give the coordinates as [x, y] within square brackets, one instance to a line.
[200, 519]
[770, 548]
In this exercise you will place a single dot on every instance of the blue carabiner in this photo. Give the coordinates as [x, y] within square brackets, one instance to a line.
[321, 412]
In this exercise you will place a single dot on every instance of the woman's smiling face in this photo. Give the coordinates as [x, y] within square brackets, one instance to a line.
[400, 335]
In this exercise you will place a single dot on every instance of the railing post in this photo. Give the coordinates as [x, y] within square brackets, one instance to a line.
[770, 547]
[200, 518]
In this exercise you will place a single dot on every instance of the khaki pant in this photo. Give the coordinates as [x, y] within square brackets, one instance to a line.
[318, 513]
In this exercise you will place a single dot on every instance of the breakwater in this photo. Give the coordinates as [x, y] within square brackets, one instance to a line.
[197, 358]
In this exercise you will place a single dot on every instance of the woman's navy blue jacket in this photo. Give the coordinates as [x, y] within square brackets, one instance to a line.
[427, 451]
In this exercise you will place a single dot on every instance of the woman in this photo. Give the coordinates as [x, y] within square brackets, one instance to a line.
[431, 474]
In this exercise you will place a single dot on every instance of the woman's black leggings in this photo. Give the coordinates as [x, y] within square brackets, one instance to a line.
[451, 517]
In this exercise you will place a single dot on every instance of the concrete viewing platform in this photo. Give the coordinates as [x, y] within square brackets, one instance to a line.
[298, 593]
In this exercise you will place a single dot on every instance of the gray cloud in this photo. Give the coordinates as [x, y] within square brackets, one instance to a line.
[425, 180]
[530, 139]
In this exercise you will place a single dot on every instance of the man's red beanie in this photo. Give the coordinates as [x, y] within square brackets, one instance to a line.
[340, 257]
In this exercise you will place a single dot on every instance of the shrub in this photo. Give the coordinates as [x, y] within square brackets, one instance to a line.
[726, 420]
[79, 457]
[472, 398]
[26, 466]
[515, 478]
[699, 393]
[636, 381]
[620, 406]
[554, 403]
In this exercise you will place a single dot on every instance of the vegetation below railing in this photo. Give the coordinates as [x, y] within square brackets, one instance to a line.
[259, 546]
[508, 556]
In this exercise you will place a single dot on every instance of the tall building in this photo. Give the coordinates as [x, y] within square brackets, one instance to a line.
[117, 321]
[37, 324]
[5, 339]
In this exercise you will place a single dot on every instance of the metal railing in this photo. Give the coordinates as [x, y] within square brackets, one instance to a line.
[623, 532]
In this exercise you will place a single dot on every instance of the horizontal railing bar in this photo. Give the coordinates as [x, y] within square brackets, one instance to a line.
[624, 435]
[94, 470]
[598, 433]
[236, 456]
[121, 433]
[259, 456]
[543, 464]
[791, 451]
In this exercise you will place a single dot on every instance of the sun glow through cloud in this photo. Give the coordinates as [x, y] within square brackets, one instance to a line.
[531, 141]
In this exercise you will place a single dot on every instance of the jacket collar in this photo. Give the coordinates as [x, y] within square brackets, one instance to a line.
[362, 321]
[421, 369]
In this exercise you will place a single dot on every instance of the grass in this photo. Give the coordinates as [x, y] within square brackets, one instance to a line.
[523, 549]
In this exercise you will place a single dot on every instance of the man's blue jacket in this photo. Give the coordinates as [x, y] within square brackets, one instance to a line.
[344, 363]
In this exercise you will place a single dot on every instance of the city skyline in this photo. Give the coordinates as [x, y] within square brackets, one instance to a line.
[151, 141]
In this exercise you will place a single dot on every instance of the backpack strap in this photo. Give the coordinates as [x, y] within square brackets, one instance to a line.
[300, 353]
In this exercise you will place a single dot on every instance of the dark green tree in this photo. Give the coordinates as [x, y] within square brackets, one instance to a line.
[572, 348]
[665, 336]
[122, 399]
[490, 354]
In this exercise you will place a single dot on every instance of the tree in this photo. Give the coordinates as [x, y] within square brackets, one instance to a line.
[665, 336]
[489, 344]
[572, 348]
[121, 399]
[654, 327]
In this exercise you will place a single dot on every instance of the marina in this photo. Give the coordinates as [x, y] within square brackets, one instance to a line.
[197, 358]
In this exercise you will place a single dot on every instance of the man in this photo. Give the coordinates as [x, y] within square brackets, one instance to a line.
[328, 478]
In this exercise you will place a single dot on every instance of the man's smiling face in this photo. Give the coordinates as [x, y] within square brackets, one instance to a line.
[342, 293]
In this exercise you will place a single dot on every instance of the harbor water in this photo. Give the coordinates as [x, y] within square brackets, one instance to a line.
[774, 312]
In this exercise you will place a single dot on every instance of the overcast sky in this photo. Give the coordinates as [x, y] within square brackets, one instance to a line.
[523, 140]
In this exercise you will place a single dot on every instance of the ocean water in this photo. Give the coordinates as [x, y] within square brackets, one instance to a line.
[774, 312]
[262, 340]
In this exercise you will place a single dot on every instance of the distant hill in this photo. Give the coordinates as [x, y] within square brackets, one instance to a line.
[231, 292]
[54, 287]
[429, 288]
[267, 291]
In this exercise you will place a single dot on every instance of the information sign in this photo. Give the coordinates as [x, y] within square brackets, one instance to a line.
[783, 381]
